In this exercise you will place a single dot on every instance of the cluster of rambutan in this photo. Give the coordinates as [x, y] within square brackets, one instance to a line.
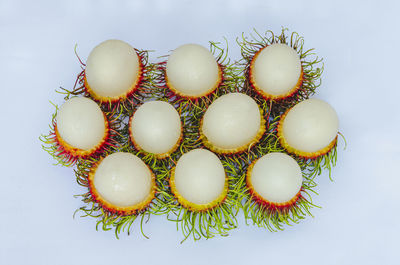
[196, 137]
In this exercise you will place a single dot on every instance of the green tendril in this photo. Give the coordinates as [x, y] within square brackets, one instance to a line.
[201, 224]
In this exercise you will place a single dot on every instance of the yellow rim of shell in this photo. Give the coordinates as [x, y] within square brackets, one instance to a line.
[123, 96]
[242, 148]
[267, 95]
[262, 200]
[121, 210]
[158, 156]
[300, 153]
[217, 84]
[193, 206]
[76, 152]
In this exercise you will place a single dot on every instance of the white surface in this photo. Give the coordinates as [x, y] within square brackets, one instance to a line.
[199, 176]
[276, 177]
[156, 127]
[311, 125]
[192, 70]
[112, 68]
[277, 69]
[359, 221]
[80, 123]
[123, 179]
[232, 121]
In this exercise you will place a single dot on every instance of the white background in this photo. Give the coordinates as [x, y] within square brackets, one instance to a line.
[359, 220]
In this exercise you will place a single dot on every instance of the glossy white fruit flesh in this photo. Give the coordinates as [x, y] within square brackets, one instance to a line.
[232, 121]
[310, 126]
[112, 68]
[192, 70]
[277, 69]
[80, 123]
[199, 176]
[123, 180]
[156, 127]
[276, 177]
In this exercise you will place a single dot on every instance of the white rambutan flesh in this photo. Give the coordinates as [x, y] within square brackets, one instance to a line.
[156, 127]
[199, 177]
[310, 126]
[192, 71]
[276, 177]
[231, 121]
[123, 180]
[276, 69]
[112, 69]
[80, 123]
